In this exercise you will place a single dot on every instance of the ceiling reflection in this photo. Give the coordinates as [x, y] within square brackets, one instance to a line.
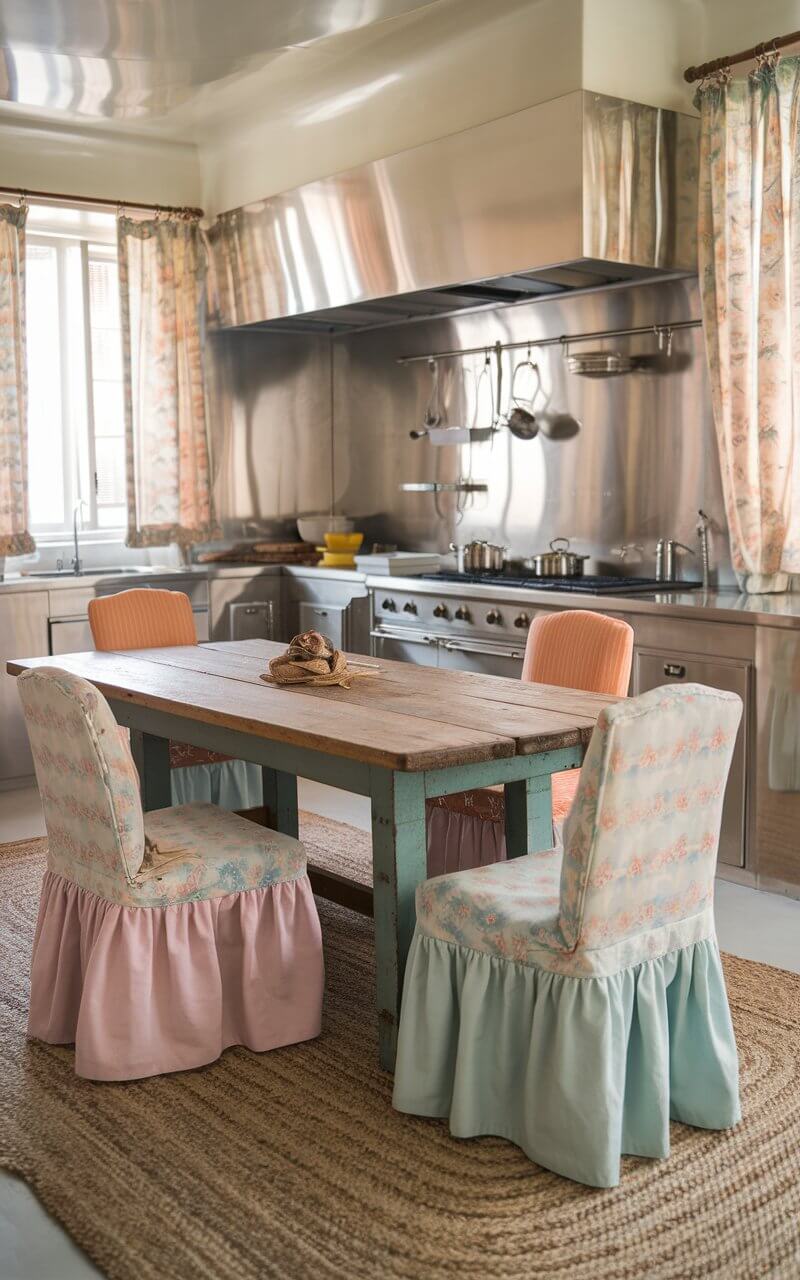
[140, 58]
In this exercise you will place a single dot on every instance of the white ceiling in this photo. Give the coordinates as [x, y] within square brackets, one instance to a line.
[141, 60]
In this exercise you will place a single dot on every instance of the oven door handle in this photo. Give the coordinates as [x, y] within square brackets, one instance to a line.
[491, 651]
[404, 633]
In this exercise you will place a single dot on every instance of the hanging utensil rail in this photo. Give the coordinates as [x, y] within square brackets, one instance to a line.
[662, 332]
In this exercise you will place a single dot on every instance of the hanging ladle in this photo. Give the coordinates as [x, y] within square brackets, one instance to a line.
[521, 421]
[433, 411]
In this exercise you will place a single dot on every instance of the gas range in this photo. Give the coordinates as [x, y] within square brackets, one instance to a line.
[474, 622]
[589, 584]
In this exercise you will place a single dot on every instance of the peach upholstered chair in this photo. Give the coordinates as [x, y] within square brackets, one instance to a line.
[576, 649]
[153, 619]
[163, 937]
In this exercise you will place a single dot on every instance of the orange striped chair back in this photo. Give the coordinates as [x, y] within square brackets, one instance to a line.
[142, 618]
[580, 650]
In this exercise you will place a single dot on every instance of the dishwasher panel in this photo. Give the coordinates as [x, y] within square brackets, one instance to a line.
[70, 636]
[252, 620]
[332, 620]
[656, 667]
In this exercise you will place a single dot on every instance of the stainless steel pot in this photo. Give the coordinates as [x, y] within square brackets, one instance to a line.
[558, 562]
[479, 557]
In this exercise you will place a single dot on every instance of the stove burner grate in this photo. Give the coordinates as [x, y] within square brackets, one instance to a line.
[589, 584]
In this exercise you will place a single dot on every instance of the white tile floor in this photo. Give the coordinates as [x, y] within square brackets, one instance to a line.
[758, 926]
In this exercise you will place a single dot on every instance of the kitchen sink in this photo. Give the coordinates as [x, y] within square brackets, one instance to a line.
[85, 573]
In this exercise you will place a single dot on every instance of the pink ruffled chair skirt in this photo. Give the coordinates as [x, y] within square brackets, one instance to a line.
[461, 841]
[145, 990]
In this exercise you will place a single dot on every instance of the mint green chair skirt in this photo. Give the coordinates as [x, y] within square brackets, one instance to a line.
[232, 784]
[576, 1071]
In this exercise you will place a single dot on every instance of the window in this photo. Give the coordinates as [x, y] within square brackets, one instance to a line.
[76, 425]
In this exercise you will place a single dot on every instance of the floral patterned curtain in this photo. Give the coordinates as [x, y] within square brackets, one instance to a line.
[15, 540]
[749, 261]
[162, 267]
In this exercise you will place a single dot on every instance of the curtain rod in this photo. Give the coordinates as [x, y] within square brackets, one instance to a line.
[565, 339]
[746, 55]
[91, 200]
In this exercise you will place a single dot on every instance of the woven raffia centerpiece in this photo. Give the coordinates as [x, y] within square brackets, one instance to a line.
[311, 659]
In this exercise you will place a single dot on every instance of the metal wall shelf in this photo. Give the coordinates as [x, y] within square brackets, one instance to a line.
[436, 486]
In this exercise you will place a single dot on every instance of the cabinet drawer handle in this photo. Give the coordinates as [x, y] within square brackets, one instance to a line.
[674, 669]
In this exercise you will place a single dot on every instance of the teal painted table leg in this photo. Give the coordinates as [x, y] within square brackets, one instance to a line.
[529, 816]
[151, 757]
[399, 860]
[280, 801]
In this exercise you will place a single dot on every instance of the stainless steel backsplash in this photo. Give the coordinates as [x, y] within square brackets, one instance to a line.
[642, 462]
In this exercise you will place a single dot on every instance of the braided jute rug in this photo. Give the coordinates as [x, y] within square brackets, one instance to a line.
[292, 1164]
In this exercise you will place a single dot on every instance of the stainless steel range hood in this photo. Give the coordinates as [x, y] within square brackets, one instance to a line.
[576, 193]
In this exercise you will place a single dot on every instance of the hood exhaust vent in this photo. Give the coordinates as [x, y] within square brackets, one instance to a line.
[578, 193]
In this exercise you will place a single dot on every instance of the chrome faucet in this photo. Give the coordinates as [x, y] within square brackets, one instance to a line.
[621, 552]
[703, 527]
[666, 563]
[76, 560]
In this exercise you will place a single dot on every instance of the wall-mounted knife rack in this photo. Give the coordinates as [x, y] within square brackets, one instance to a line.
[662, 332]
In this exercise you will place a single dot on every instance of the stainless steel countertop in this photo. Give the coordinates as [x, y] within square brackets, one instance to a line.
[60, 581]
[726, 605]
[25, 582]
[712, 606]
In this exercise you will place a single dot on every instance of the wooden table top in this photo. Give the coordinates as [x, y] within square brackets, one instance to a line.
[403, 716]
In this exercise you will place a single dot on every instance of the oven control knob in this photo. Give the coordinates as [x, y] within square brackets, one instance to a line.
[463, 614]
[409, 607]
[389, 606]
[440, 611]
[493, 617]
[522, 620]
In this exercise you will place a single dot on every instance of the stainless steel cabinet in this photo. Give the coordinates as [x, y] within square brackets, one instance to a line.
[23, 634]
[338, 595]
[244, 588]
[252, 620]
[777, 758]
[331, 619]
[70, 635]
[656, 667]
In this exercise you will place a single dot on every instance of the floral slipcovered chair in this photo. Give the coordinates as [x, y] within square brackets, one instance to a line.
[574, 649]
[574, 1002]
[148, 618]
[162, 938]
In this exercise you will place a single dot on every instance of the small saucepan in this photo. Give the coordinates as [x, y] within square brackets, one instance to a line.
[558, 562]
[479, 557]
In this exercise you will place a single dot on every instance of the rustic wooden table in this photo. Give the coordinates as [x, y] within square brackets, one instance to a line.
[404, 734]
